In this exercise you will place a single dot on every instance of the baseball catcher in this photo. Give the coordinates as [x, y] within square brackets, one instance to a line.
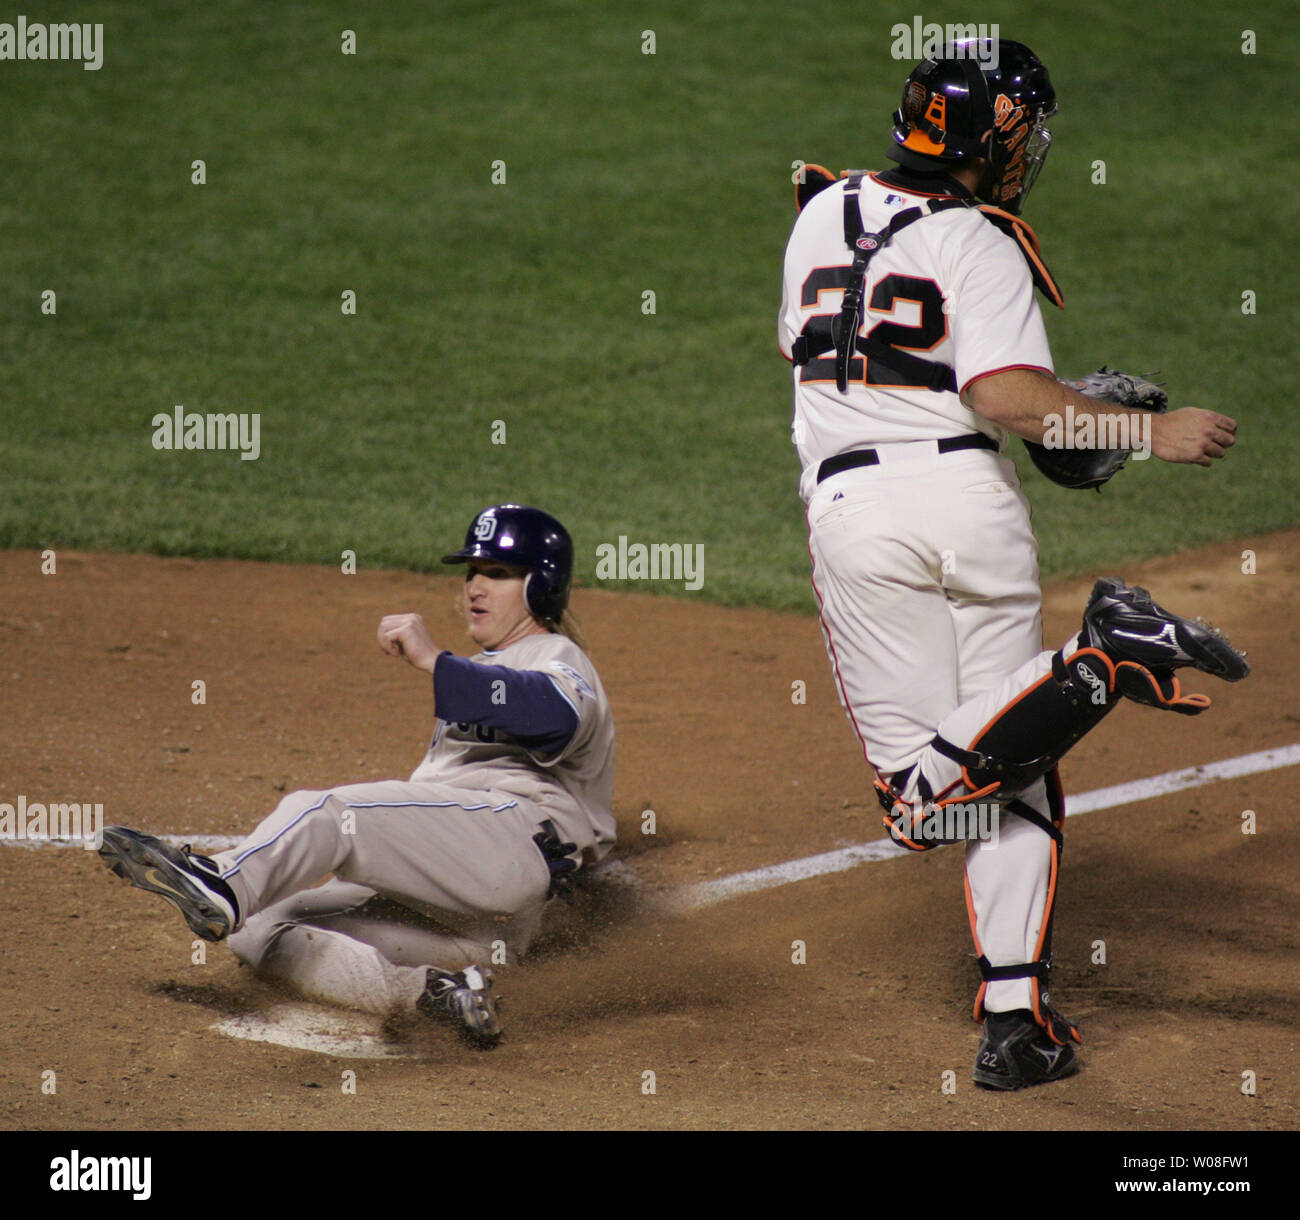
[912, 325]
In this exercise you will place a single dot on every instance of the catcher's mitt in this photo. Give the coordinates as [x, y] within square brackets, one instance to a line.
[1063, 462]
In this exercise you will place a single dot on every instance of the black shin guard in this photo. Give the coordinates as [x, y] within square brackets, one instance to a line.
[1029, 736]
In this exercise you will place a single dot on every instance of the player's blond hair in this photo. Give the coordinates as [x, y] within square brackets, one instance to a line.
[566, 625]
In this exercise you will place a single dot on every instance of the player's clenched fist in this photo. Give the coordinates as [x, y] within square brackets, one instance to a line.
[406, 636]
[1192, 435]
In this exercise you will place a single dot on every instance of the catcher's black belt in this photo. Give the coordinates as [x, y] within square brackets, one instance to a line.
[869, 457]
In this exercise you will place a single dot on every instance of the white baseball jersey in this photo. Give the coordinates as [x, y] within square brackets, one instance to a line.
[575, 784]
[950, 287]
[924, 564]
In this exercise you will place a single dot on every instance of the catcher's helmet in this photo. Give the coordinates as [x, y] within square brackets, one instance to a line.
[964, 103]
[527, 538]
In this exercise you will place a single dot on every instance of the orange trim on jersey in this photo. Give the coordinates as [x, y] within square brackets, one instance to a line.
[884, 319]
[1047, 906]
[1036, 985]
[822, 172]
[1015, 220]
[874, 311]
[1006, 368]
[817, 304]
[1028, 241]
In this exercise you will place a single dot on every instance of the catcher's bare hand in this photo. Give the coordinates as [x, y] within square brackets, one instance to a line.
[1192, 435]
[406, 636]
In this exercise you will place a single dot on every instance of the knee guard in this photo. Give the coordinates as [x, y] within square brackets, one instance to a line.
[1022, 743]
[1029, 736]
[933, 822]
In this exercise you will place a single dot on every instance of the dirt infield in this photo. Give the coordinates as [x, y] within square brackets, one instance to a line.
[1202, 953]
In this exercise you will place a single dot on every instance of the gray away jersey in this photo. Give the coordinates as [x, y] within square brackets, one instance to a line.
[575, 786]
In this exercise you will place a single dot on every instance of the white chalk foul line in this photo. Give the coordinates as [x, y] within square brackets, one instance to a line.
[707, 893]
[1176, 781]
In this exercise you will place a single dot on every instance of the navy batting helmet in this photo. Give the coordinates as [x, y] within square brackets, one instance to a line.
[976, 99]
[527, 538]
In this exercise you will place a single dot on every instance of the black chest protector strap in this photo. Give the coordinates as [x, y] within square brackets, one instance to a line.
[844, 328]
[840, 333]
[822, 335]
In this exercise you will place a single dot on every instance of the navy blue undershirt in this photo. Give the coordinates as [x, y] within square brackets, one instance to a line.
[528, 707]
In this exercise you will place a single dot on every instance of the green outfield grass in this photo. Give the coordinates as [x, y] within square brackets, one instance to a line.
[522, 302]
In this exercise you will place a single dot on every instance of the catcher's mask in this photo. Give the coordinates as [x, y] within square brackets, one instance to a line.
[526, 538]
[966, 103]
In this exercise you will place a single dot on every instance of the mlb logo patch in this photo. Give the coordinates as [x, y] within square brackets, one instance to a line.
[893, 201]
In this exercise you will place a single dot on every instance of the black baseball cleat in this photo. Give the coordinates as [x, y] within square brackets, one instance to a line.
[192, 882]
[464, 999]
[1127, 625]
[1015, 1052]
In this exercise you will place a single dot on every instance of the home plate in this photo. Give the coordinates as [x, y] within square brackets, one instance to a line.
[345, 1035]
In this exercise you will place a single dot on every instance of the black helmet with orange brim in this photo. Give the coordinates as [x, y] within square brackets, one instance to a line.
[978, 98]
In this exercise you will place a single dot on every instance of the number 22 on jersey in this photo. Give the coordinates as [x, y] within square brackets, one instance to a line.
[924, 336]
